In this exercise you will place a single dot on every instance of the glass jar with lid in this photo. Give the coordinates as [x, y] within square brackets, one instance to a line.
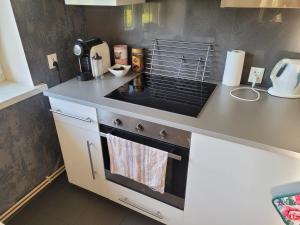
[137, 60]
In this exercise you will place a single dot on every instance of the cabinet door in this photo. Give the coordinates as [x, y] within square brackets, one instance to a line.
[229, 183]
[103, 2]
[81, 150]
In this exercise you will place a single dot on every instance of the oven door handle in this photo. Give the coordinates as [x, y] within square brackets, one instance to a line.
[170, 155]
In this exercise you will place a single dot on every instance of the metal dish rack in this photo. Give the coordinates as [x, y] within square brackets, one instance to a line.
[180, 59]
[176, 71]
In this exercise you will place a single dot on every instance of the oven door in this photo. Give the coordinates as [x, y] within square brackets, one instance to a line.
[177, 167]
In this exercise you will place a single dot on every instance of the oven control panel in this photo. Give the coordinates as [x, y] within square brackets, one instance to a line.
[145, 128]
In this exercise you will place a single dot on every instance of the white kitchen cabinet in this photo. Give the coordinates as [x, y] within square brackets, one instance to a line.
[74, 114]
[78, 134]
[260, 3]
[103, 2]
[81, 150]
[229, 183]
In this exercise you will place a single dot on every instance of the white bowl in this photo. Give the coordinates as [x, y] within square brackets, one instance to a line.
[119, 73]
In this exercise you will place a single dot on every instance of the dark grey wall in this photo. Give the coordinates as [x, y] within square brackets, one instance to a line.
[49, 27]
[266, 35]
[29, 148]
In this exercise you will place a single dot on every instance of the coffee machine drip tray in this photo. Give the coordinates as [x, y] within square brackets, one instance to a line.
[175, 95]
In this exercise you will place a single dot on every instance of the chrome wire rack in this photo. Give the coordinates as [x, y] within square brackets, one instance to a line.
[179, 59]
[192, 93]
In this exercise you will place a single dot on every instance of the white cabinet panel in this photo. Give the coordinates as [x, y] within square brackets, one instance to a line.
[232, 184]
[81, 150]
[261, 3]
[103, 2]
[143, 203]
[74, 114]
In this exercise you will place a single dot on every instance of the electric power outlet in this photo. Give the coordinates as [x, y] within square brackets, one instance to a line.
[256, 75]
[51, 59]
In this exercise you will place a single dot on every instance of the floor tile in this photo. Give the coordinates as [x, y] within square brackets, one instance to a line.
[62, 203]
[134, 218]
[34, 219]
[102, 212]
[67, 204]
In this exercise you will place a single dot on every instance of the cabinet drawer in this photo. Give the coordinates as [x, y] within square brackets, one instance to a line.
[75, 114]
[145, 205]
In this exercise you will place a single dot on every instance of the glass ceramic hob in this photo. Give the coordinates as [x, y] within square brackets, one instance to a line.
[186, 97]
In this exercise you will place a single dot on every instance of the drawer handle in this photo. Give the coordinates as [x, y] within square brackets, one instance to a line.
[91, 159]
[128, 202]
[88, 120]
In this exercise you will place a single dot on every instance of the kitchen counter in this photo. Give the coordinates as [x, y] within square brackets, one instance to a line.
[271, 124]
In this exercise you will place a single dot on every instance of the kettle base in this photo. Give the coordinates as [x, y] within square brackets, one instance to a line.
[275, 93]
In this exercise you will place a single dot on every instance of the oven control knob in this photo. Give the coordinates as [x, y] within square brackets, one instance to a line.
[139, 127]
[163, 134]
[117, 122]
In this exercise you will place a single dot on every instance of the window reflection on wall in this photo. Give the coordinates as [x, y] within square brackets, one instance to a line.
[141, 16]
[2, 78]
[150, 14]
[271, 16]
[129, 17]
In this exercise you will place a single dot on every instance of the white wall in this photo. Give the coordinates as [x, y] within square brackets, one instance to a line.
[12, 56]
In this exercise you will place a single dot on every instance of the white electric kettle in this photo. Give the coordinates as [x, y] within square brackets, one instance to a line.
[287, 83]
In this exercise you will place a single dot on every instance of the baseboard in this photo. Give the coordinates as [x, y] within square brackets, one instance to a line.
[8, 213]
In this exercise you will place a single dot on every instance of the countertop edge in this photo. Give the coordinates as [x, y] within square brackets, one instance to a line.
[241, 141]
[258, 145]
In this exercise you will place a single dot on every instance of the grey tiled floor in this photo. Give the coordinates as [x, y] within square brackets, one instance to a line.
[65, 204]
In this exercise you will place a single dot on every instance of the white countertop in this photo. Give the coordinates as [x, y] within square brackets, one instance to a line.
[13, 92]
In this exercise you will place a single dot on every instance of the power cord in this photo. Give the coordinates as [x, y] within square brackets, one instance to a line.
[252, 88]
[55, 64]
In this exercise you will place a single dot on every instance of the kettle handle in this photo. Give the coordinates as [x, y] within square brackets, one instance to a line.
[277, 68]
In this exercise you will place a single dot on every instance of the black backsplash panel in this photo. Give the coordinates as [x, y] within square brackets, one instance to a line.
[48, 27]
[267, 35]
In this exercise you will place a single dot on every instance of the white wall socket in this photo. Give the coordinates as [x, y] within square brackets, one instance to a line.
[51, 58]
[256, 74]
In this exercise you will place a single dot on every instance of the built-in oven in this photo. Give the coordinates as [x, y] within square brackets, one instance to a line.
[174, 141]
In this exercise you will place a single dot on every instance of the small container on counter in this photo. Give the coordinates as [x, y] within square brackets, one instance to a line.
[137, 60]
[97, 66]
[121, 54]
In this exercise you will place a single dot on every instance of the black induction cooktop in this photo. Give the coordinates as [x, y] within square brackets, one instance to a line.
[186, 97]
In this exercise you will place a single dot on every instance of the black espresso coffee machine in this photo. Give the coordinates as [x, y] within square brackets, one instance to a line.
[82, 49]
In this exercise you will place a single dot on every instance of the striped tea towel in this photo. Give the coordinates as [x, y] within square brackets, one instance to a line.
[138, 162]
